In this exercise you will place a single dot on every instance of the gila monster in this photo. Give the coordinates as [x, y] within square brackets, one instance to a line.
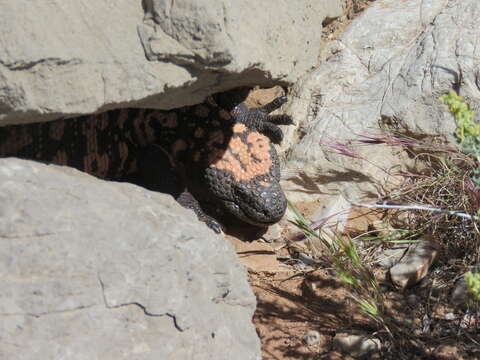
[200, 153]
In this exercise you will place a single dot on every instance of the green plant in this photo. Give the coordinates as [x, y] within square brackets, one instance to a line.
[342, 254]
[473, 285]
[468, 130]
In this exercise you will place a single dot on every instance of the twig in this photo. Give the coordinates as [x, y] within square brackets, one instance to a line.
[417, 207]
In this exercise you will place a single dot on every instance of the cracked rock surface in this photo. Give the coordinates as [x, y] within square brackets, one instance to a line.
[91, 269]
[387, 70]
[78, 56]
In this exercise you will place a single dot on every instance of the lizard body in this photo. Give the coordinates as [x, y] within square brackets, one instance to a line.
[224, 157]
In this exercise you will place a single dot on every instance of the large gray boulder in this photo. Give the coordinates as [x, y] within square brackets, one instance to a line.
[389, 67]
[91, 269]
[77, 56]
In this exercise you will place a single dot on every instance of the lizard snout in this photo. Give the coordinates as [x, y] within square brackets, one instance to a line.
[263, 204]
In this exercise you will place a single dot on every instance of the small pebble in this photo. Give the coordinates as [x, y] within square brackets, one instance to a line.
[311, 338]
[355, 345]
[392, 256]
[306, 259]
[273, 233]
[450, 316]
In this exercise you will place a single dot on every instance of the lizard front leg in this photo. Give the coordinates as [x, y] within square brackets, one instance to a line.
[159, 172]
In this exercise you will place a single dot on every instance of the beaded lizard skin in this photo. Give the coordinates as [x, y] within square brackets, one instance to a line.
[200, 153]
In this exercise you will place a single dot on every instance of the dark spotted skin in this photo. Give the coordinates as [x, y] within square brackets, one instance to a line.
[201, 153]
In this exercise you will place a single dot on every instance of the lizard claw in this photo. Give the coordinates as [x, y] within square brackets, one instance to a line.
[214, 225]
[260, 120]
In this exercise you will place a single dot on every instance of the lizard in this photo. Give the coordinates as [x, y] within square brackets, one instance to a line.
[199, 154]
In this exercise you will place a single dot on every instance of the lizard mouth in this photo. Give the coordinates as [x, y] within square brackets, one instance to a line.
[254, 217]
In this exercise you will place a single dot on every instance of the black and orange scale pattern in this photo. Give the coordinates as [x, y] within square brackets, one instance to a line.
[197, 153]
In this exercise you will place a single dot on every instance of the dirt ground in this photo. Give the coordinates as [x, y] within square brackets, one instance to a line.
[291, 304]
[293, 301]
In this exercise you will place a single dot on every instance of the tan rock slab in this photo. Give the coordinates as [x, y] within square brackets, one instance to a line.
[415, 264]
[257, 256]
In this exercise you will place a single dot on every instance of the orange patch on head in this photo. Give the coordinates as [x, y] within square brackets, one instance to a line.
[237, 146]
[260, 145]
[265, 184]
[245, 161]
[239, 128]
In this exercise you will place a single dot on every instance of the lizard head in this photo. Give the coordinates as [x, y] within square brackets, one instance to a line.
[243, 168]
[245, 179]
[262, 203]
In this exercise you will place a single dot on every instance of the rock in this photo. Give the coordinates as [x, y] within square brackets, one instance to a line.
[356, 345]
[257, 256]
[259, 97]
[415, 264]
[273, 233]
[91, 269]
[392, 255]
[312, 338]
[78, 57]
[388, 67]
[450, 316]
[306, 259]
